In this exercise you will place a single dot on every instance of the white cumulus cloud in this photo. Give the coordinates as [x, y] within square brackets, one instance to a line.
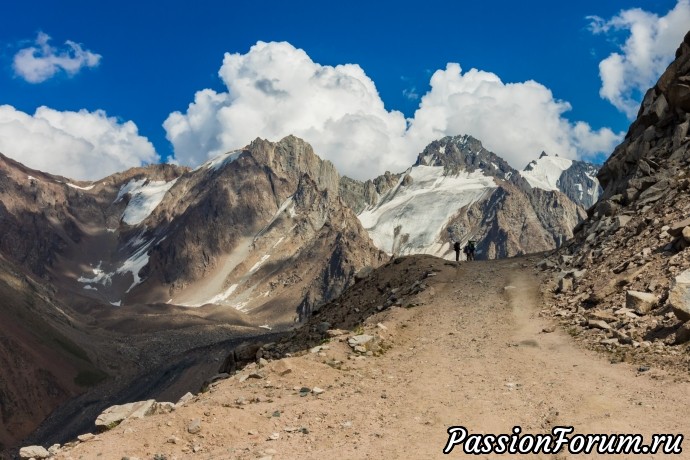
[42, 61]
[81, 145]
[647, 51]
[515, 120]
[276, 89]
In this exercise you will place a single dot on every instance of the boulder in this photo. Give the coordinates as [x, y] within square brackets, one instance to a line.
[640, 302]
[679, 96]
[282, 367]
[163, 408]
[546, 264]
[683, 333]
[565, 284]
[620, 221]
[679, 297]
[363, 273]
[185, 399]
[116, 414]
[335, 332]
[607, 208]
[359, 340]
[33, 452]
[599, 315]
[598, 324]
[194, 426]
[677, 228]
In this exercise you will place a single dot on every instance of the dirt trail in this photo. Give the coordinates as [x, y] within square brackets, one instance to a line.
[473, 353]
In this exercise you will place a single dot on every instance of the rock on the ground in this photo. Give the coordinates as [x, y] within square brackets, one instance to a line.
[677, 228]
[194, 426]
[282, 367]
[598, 324]
[116, 414]
[335, 332]
[185, 399]
[33, 452]
[640, 302]
[162, 408]
[683, 333]
[360, 340]
[679, 297]
[565, 284]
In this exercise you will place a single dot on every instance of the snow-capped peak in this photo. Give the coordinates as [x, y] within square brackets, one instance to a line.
[396, 224]
[546, 172]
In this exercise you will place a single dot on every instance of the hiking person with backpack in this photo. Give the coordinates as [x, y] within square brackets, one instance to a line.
[469, 249]
[456, 246]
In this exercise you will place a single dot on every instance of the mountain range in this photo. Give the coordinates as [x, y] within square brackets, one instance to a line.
[106, 281]
[459, 191]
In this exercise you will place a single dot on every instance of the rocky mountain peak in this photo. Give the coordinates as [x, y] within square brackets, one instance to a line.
[464, 153]
[459, 191]
[292, 156]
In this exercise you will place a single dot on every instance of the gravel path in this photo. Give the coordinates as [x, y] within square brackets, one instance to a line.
[474, 352]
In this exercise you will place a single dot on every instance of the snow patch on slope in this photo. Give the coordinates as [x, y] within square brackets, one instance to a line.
[222, 297]
[88, 187]
[145, 197]
[545, 172]
[221, 160]
[99, 276]
[593, 191]
[135, 263]
[410, 219]
[256, 266]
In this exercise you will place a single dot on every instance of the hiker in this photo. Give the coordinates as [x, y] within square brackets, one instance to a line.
[469, 250]
[456, 246]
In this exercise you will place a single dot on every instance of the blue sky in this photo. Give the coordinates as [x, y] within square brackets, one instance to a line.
[149, 59]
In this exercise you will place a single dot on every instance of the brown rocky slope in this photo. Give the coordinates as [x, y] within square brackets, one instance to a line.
[621, 283]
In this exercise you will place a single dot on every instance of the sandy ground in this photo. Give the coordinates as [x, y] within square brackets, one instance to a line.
[473, 353]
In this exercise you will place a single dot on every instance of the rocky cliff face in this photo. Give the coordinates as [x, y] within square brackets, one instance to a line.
[170, 235]
[621, 282]
[459, 191]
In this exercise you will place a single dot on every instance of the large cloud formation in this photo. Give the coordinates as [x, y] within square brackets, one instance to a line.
[515, 120]
[275, 90]
[647, 51]
[80, 145]
[41, 62]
